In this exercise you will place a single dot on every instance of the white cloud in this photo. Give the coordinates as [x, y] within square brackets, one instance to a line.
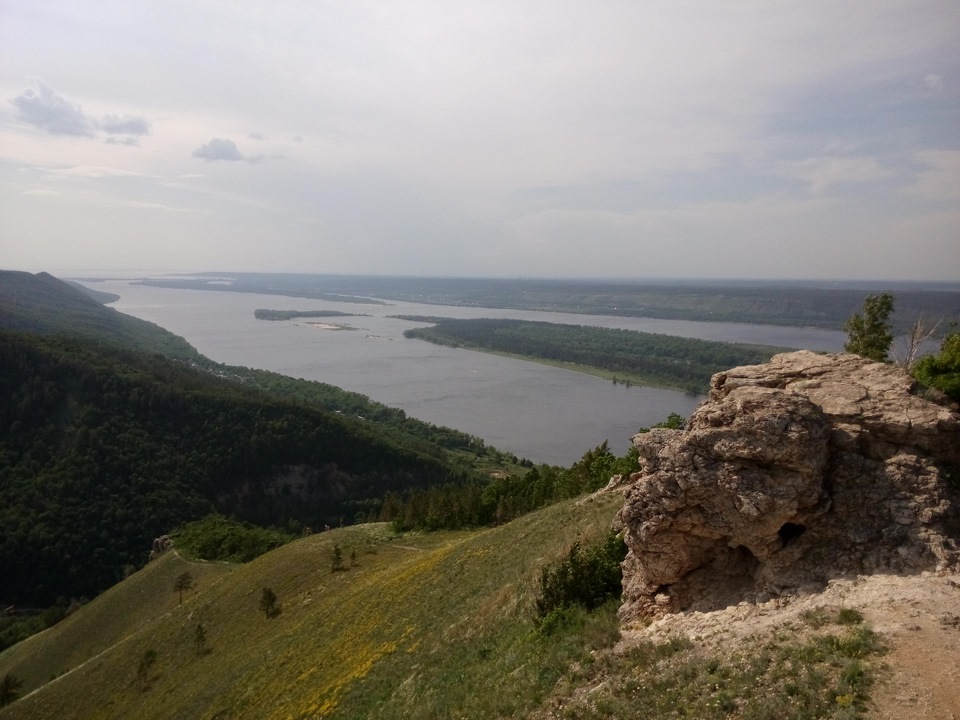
[219, 149]
[47, 110]
[92, 171]
[126, 125]
[825, 173]
[224, 149]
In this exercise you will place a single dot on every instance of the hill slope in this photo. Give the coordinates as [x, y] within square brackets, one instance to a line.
[421, 626]
[44, 305]
[102, 450]
[440, 625]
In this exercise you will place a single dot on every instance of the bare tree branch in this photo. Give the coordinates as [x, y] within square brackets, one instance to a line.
[921, 331]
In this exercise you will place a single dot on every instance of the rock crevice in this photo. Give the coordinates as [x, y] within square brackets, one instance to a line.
[809, 467]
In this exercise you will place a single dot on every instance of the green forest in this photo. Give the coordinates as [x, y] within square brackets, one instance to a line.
[104, 449]
[627, 355]
[505, 497]
[44, 305]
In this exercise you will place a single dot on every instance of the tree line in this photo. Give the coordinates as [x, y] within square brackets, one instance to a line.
[503, 497]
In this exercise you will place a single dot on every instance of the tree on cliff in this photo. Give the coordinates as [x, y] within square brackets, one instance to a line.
[869, 334]
[942, 371]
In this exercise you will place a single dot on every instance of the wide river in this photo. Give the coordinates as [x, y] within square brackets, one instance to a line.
[539, 412]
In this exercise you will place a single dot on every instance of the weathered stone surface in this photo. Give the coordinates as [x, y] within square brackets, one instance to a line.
[792, 472]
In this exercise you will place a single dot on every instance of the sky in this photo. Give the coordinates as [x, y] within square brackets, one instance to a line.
[636, 139]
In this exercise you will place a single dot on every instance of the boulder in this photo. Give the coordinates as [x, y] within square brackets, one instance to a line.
[806, 468]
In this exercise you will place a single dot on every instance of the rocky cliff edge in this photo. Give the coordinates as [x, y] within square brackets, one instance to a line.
[793, 473]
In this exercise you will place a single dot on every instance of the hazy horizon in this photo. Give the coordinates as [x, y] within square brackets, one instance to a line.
[620, 141]
[874, 285]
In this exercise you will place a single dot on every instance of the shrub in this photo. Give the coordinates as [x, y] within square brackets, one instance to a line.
[587, 577]
[268, 603]
[9, 689]
[145, 668]
[216, 537]
[942, 371]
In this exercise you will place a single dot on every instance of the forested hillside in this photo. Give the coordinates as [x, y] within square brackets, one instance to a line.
[104, 449]
[44, 305]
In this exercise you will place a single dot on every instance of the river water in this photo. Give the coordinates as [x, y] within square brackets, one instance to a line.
[535, 411]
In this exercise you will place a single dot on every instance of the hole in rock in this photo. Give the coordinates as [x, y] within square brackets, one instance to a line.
[790, 532]
[744, 560]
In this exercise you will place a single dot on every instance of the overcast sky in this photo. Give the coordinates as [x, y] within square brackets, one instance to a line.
[815, 139]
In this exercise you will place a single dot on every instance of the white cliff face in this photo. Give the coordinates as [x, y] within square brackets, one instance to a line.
[792, 473]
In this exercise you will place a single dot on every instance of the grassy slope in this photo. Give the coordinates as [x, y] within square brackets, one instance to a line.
[424, 626]
[108, 619]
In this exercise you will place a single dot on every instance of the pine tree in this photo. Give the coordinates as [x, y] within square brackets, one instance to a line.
[869, 335]
[337, 562]
[268, 603]
[183, 582]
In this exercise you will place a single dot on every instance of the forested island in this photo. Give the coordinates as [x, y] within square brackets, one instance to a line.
[262, 314]
[619, 355]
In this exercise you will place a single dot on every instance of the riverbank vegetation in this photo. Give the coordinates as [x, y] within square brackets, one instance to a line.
[621, 355]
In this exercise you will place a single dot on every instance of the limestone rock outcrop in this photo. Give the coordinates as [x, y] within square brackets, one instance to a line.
[809, 467]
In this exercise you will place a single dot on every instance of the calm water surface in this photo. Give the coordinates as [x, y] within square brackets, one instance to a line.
[543, 413]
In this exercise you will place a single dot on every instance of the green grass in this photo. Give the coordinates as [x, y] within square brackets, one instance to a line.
[423, 622]
[438, 625]
[824, 671]
[125, 610]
